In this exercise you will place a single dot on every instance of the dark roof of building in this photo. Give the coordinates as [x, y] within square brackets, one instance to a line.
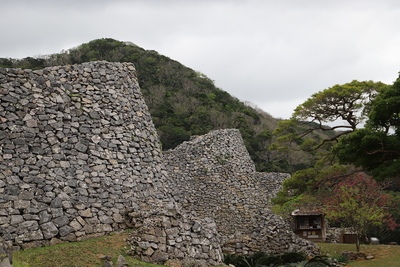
[306, 212]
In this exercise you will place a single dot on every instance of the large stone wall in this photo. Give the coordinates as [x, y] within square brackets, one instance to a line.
[78, 154]
[80, 157]
[214, 176]
[75, 151]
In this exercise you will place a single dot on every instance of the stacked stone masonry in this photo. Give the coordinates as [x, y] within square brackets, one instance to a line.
[80, 157]
[78, 152]
[214, 176]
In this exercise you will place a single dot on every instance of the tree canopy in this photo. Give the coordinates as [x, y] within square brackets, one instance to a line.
[365, 139]
[366, 116]
[376, 147]
[384, 112]
[344, 102]
[346, 105]
[360, 203]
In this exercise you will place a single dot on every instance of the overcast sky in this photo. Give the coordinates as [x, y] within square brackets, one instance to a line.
[272, 53]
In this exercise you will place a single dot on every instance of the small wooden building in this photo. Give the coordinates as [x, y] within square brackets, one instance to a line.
[310, 224]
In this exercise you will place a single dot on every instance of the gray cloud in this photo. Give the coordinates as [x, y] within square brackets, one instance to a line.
[274, 54]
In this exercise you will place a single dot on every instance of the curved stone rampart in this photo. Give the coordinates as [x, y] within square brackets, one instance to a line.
[77, 147]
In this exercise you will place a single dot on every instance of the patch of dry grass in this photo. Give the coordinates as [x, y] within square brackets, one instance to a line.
[78, 254]
[385, 255]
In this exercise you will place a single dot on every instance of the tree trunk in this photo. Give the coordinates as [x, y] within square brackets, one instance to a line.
[358, 243]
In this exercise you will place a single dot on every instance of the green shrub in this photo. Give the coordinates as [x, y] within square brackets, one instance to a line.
[287, 259]
[317, 261]
[343, 259]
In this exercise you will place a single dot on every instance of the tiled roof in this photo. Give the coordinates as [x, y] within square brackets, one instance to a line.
[305, 212]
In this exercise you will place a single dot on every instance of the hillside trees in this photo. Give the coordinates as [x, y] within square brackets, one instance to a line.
[6, 63]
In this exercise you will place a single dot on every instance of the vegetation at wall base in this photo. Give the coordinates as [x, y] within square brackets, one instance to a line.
[384, 255]
[262, 259]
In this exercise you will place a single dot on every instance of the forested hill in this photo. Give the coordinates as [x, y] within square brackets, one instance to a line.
[182, 102]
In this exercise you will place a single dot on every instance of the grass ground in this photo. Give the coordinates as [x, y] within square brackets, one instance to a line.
[78, 254]
[87, 253]
[385, 256]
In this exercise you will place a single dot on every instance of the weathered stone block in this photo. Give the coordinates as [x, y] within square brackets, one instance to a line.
[15, 219]
[87, 213]
[22, 204]
[30, 236]
[44, 216]
[61, 221]
[49, 230]
[149, 251]
[65, 230]
[159, 256]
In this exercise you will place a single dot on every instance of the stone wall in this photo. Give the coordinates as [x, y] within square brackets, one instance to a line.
[80, 157]
[75, 151]
[173, 236]
[214, 176]
[78, 152]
